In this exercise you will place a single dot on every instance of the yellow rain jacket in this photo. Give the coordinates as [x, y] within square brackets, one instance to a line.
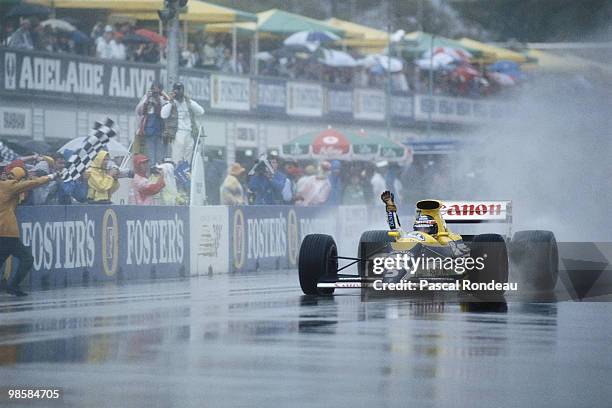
[101, 184]
[9, 198]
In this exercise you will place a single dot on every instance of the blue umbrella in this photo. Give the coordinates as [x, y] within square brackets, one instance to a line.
[510, 68]
[310, 37]
[79, 37]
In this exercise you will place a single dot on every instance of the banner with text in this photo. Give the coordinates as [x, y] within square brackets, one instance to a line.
[304, 99]
[230, 93]
[456, 110]
[369, 104]
[271, 95]
[209, 240]
[75, 245]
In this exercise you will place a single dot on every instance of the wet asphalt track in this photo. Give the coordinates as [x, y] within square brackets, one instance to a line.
[255, 341]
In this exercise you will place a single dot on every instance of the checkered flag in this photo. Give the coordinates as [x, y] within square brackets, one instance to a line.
[98, 137]
[7, 154]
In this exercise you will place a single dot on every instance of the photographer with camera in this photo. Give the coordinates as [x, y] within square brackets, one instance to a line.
[180, 126]
[268, 184]
[143, 189]
[151, 122]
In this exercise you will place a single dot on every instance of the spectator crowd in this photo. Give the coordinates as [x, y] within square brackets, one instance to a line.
[213, 52]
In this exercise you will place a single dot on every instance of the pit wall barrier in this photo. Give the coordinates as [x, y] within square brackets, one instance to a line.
[79, 245]
[87, 244]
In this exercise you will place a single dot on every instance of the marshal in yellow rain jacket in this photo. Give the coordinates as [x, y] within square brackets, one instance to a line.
[101, 184]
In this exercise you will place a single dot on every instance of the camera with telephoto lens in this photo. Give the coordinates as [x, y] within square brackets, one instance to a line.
[262, 166]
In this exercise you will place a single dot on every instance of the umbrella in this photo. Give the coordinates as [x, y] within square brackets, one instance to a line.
[391, 151]
[79, 37]
[27, 147]
[334, 58]
[135, 38]
[457, 54]
[310, 37]
[115, 148]
[466, 72]
[502, 79]
[510, 68]
[382, 61]
[153, 36]
[438, 61]
[58, 24]
[290, 51]
[264, 56]
[27, 9]
[331, 144]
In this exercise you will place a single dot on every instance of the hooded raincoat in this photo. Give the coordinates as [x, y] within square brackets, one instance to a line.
[101, 184]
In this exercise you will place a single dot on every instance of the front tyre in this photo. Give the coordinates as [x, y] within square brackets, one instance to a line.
[317, 260]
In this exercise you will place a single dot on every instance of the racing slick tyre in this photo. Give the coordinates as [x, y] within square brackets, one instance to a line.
[536, 256]
[492, 249]
[317, 259]
[373, 236]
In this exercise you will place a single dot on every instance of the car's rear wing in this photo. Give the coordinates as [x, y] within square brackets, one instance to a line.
[471, 212]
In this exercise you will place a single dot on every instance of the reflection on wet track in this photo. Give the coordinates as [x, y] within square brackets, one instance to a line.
[254, 340]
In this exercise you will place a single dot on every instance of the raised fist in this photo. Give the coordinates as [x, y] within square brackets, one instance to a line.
[387, 198]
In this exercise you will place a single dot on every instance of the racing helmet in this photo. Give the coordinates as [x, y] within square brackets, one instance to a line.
[426, 224]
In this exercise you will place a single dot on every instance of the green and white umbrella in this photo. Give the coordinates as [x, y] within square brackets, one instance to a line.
[331, 144]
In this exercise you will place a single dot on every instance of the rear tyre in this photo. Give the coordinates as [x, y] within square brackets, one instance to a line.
[317, 260]
[491, 250]
[374, 236]
[536, 257]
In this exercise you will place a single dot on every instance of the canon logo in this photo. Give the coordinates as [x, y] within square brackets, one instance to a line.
[472, 209]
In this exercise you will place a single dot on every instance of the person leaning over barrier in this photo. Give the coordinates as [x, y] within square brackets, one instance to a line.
[101, 181]
[180, 126]
[10, 191]
[232, 192]
[143, 189]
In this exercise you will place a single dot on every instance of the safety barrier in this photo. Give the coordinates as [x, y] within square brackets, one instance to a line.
[79, 245]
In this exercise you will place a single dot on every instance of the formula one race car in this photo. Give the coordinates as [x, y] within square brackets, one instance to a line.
[433, 252]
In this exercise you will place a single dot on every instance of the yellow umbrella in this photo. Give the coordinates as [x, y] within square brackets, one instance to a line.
[499, 53]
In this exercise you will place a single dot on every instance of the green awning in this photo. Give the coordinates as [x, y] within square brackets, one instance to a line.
[284, 23]
[414, 44]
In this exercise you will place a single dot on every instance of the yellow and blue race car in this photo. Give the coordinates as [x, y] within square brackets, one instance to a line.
[431, 251]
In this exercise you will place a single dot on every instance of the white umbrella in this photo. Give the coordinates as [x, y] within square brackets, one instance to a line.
[334, 58]
[310, 37]
[438, 61]
[384, 61]
[458, 54]
[264, 56]
[58, 25]
[115, 148]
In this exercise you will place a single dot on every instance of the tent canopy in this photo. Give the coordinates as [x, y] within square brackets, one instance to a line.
[283, 23]
[360, 36]
[113, 5]
[499, 52]
[552, 63]
[197, 11]
[418, 42]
